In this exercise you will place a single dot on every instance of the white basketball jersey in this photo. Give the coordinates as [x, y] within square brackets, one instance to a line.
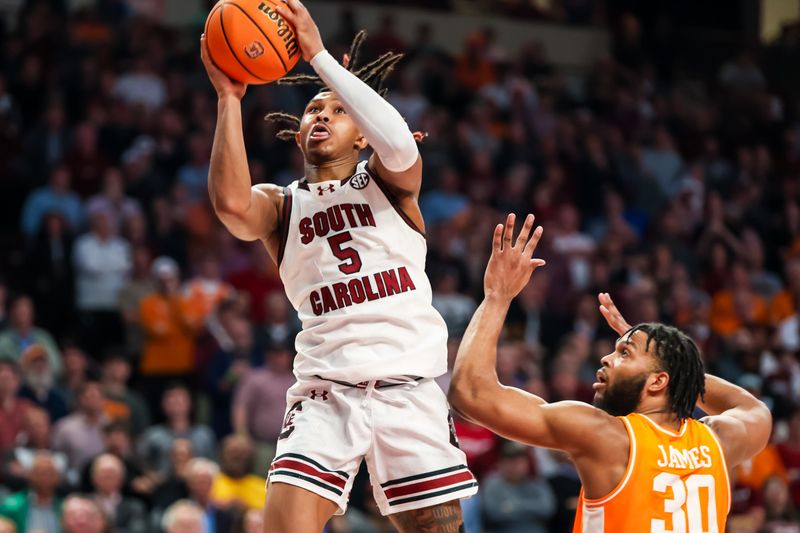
[353, 266]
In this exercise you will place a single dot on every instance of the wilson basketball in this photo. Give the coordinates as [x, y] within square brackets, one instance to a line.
[250, 42]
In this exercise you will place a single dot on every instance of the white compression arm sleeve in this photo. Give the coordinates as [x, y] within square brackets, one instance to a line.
[379, 122]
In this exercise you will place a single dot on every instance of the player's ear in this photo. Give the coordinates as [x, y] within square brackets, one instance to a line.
[658, 382]
[361, 143]
[297, 142]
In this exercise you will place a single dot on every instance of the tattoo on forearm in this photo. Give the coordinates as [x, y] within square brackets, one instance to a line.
[444, 518]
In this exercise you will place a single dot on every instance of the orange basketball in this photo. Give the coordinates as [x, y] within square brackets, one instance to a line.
[250, 42]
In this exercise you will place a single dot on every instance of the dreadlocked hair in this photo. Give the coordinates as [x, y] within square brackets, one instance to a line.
[280, 116]
[679, 356]
[374, 74]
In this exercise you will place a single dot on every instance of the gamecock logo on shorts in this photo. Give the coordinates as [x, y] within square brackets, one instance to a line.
[359, 181]
[254, 49]
[288, 422]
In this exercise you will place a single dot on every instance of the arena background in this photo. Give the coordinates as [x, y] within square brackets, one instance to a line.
[657, 142]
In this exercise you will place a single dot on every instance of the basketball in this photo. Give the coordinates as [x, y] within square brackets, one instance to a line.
[250, 42]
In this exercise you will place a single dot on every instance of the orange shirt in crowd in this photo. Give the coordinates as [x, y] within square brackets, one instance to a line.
[170, 324]
[726, 318]
[756, 471]
[781, 307]
[206, 294]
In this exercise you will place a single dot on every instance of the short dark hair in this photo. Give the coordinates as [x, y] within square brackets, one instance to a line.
[117, 425]
[679, 357]
[173, 386]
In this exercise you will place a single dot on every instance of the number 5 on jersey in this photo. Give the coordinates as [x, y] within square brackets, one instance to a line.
[351, 258]
[685, 505]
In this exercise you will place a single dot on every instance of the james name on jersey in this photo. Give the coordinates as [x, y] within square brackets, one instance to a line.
[694, 458]
[357, 290]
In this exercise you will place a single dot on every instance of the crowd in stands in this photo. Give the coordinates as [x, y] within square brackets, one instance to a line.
[145, 353]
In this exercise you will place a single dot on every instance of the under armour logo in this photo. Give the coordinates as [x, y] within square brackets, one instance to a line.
[321, 189]
[323, 395]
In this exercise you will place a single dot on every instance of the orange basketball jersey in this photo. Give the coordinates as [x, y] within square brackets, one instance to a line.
[674, 483]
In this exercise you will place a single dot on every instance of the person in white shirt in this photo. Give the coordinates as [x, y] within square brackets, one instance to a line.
[103, 264]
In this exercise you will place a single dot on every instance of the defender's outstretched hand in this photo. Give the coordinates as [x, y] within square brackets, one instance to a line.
[512, 263]
[308, 36]
[224, 85]
[612, 315]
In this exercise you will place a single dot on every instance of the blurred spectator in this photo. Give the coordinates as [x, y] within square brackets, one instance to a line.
[478, 443]
[76, 372]
[171, 486]
[227, 369]
[139, 285]
[260, 400]
[12, 408]
[259, 279]
[82, 515]
[789, 452]
[386, 39]
[122, 403]
[39, 383]
[155, 444]
[48, 139]
[513, 500]
[38, 508]
[113, 202]
[194, 174]
[566, 486]
[742, 74]
[171, 323]
[21, 334]
[80, 435]
[126, 514]
[200, 476]
[236, 487]
[456, 308]
[102, 265]
[737, 305]
[784, 303]
[117, 442]
[780, 515]
[445, 201]
[35, 437]
[280, 325]
[51, 271]
[141, 86]
[56, 197]
[85, 161]
[184, 517]
[408, 100]
[206, 290]
[473, 68]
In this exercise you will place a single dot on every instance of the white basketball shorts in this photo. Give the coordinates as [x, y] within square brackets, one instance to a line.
[404, 431]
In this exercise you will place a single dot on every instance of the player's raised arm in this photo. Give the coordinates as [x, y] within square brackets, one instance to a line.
[396, 158]
[249, 213]
[741, 421]
[475, 391]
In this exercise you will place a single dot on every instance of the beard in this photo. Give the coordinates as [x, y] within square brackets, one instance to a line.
[622, 398]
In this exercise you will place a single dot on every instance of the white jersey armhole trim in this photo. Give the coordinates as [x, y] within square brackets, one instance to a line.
[724, 462]
[628, 471]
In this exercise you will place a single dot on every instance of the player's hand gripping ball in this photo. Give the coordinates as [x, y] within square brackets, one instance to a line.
[250, 41]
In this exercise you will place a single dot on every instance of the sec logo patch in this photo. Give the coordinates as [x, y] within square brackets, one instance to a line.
[360, 180]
